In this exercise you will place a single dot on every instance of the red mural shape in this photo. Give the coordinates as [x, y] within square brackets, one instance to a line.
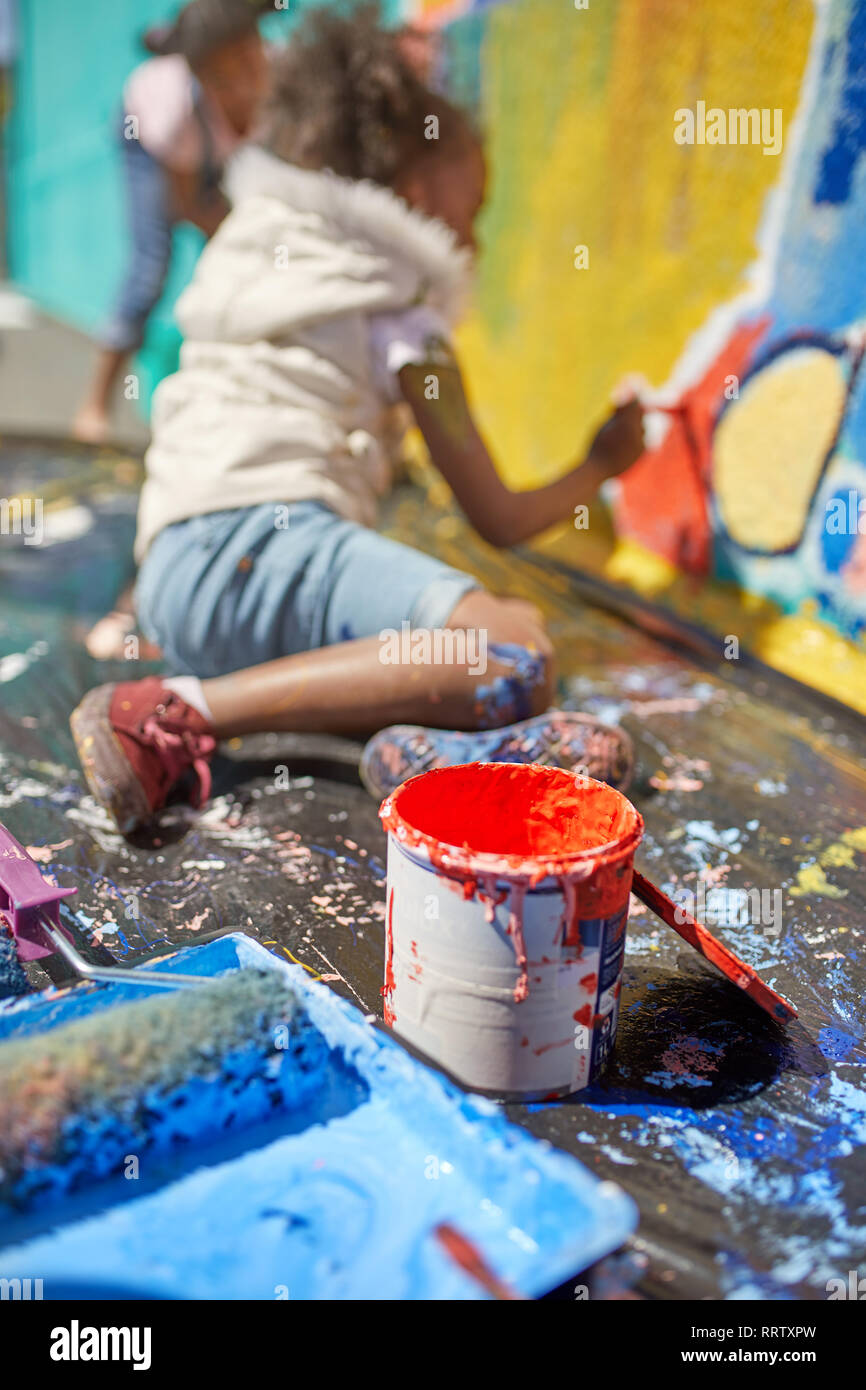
[663, 501]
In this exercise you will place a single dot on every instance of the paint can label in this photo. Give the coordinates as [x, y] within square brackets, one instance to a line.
[605, 936]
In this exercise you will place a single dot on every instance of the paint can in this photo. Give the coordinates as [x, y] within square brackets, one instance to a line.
[507, 906]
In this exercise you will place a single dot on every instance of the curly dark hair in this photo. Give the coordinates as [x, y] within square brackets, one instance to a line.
[344, 96]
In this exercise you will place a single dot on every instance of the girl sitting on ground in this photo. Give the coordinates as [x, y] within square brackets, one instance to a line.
[324, 302]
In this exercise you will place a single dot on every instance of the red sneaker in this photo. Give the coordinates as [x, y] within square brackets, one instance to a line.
[136, 741]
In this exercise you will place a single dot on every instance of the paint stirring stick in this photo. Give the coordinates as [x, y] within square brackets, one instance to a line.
[697, 935]
[470, 1259]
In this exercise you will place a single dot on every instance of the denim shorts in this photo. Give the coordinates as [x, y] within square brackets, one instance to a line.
[233, 589]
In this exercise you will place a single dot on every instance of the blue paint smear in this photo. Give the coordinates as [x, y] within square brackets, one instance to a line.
[788, 1161]
[836, 547]
[836, 1044]
[508, 698]
[819, 288]
[848, 136]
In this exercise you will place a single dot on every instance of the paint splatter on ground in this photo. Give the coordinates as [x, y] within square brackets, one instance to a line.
[744, 1145]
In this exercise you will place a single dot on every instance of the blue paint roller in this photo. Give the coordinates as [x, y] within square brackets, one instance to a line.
[149, 1075]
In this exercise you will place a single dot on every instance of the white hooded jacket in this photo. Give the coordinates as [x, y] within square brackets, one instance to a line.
[277, 398]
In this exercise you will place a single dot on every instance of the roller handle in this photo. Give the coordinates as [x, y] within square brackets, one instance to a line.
[28, 900]
[115, 974]
[30, 904]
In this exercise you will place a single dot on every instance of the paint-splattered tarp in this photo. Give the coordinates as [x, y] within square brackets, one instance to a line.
[742, 1143]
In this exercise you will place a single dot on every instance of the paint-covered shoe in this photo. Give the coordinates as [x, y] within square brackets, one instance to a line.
[137, 741]
[560, 738]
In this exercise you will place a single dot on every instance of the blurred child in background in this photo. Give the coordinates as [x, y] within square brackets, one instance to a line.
[184, 113]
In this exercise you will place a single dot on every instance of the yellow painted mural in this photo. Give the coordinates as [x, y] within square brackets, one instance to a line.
[587, 157]
[611, 248]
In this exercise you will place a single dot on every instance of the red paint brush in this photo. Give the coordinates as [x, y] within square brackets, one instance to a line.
[466, 1254]
[697, 935]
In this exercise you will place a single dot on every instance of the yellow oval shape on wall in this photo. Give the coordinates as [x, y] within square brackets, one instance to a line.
[770, 446]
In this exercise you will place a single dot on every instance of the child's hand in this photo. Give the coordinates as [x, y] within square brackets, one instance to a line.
[620, 441]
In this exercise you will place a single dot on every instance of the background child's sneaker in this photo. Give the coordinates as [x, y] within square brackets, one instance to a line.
[136, 742]
[560, 738]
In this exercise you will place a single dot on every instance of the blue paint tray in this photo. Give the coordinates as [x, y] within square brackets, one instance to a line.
[337, 1201]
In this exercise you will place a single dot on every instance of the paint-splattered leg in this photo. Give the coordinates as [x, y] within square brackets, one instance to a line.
[495, 668]
[490, 672]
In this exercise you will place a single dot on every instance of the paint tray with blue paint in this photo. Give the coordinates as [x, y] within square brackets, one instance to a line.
[331, 1188]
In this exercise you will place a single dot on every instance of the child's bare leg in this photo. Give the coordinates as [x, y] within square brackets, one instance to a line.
[91, 424]
[139, 739]
[350, 689]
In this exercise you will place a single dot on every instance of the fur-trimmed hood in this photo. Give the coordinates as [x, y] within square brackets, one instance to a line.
[302, 246]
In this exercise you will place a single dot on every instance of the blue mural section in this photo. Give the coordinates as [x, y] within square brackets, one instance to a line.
[820, 285]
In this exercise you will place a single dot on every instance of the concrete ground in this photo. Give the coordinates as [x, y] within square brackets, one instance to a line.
[44, 369]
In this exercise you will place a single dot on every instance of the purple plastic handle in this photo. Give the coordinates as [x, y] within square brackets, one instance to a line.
[24, 896]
